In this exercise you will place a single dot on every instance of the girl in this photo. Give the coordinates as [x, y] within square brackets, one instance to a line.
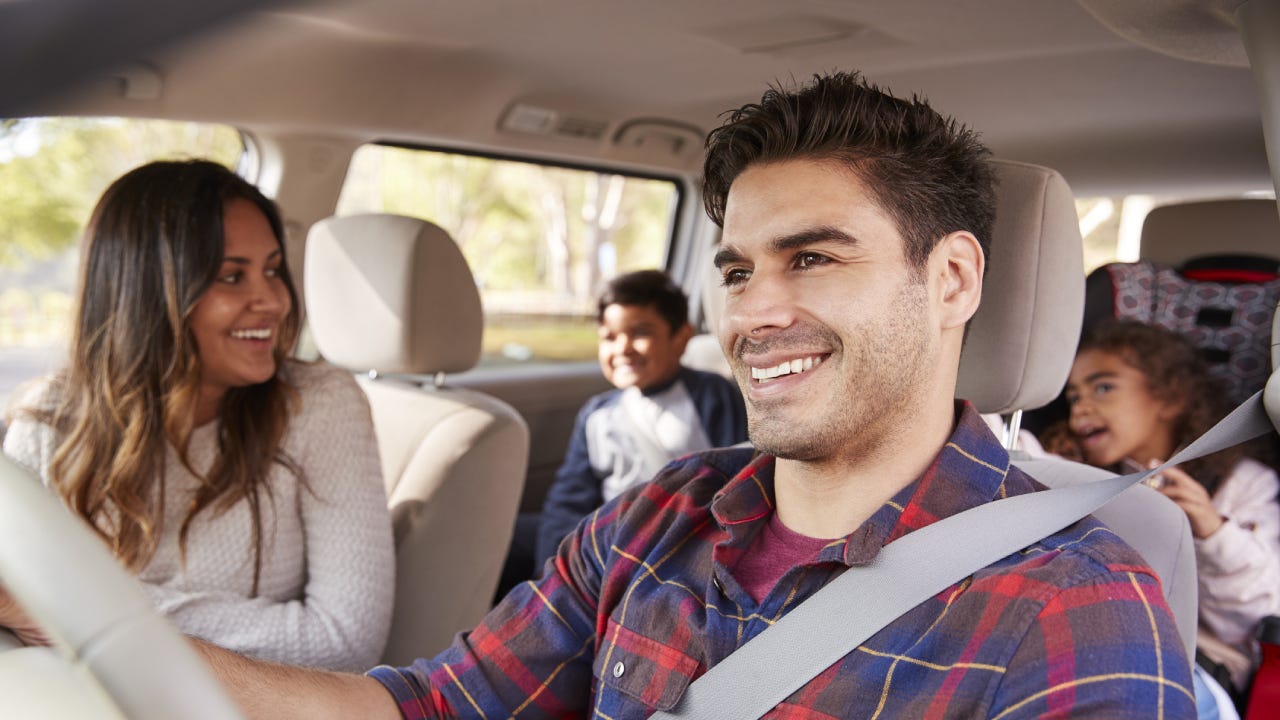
[241, 487]
[1138, 393]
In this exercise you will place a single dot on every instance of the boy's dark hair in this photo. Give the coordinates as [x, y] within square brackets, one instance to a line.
[928, 172]
[1176, 373]
[647, 288]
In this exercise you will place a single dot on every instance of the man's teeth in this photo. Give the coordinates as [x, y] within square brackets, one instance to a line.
[789, 367]
[264, 334]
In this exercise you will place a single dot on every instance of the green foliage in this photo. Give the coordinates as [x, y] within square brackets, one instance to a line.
[52, 171]
[531, 233]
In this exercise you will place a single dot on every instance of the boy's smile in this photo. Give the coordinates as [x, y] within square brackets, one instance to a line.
[638, 348]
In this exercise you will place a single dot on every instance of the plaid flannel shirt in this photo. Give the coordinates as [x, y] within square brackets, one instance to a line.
[641, 599]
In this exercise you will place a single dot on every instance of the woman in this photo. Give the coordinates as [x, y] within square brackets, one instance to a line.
[242, 488]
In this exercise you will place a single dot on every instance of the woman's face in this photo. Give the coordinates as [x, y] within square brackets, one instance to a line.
[1114, 415]
[237, 321]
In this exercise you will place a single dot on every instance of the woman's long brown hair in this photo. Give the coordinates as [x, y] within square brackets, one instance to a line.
[153, 245]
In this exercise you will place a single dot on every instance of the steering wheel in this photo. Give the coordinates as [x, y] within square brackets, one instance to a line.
[99, 618]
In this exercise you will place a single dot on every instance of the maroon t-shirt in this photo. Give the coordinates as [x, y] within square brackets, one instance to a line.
[773, 552]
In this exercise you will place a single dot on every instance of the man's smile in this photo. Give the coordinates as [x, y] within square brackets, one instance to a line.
[793, 366]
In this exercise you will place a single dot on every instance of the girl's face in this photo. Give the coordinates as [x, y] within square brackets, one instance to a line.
[1114, 415]
[237, 321]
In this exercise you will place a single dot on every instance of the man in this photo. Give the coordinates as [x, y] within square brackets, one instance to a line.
[852, 257]
[658, 411]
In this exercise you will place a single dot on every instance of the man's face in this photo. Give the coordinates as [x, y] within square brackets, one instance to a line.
[638, 348]
[829, 331]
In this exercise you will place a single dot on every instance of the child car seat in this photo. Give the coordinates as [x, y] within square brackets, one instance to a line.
[1224, 303]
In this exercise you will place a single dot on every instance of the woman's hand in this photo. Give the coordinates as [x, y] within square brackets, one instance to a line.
[13, 617]
[1193, 499]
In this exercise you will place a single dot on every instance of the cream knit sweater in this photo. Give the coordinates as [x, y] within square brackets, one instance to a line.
[327, 578]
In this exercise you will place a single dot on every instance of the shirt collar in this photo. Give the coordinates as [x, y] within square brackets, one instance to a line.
[969, 470]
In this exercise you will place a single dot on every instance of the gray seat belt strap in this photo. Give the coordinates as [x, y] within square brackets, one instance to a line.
[854, 606]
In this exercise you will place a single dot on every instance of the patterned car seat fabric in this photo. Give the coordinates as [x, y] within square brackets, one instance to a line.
[1224, 305]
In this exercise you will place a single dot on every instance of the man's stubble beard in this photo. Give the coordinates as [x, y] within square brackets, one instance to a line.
[869, 404]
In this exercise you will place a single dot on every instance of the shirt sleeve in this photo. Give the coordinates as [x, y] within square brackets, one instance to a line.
[574, 493]
[530, 657]
[343, 617]
[1104, 648]
[1239, 565]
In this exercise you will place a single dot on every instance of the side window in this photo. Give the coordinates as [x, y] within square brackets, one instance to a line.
[1111, 227]
[52, 171]
[540, 239]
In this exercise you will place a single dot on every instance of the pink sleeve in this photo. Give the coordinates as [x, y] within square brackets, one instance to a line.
[1239, 565]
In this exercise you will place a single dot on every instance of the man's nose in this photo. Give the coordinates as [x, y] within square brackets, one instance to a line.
[763, 303]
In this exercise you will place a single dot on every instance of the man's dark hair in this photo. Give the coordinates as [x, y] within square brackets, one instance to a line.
[929, 173]
[647, 288]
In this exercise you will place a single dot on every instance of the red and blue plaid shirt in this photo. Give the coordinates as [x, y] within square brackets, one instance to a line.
[641, 599]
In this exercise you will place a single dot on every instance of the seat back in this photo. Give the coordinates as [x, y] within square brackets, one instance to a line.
[1019, 353]
[393, 298]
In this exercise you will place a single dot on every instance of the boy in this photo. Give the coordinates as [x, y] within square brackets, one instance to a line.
[658, 412]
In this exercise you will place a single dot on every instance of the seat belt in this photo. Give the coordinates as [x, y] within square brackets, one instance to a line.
[847, 611]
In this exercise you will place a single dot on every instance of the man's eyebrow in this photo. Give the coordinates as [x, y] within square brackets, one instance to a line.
[823, 233]
[726, 255]
[804, 238]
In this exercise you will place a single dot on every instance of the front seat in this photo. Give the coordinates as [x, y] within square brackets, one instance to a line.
[392, 298]
[1019, 351]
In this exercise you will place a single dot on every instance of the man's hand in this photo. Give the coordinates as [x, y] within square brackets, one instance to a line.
[12, 616]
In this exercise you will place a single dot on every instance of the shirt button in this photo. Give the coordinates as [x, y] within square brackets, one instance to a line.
[618, 669]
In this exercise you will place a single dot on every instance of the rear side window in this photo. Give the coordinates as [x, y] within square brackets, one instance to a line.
[540, 239]
[52, 171]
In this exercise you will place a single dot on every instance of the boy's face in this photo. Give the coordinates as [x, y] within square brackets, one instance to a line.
[638, 348]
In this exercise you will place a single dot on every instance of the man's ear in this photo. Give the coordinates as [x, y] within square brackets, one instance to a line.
[957, 263]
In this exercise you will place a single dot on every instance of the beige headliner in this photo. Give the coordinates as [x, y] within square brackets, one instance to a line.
[1043, 80]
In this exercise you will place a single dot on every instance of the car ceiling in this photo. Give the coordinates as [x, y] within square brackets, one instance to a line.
[1043, 81]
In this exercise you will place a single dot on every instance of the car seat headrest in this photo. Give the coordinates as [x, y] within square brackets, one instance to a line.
[392, 294]
[1022, 340]
[1174, 234]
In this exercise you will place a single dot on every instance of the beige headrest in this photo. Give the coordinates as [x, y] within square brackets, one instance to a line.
[1173, 234]
[392, 294]
[1023, 339]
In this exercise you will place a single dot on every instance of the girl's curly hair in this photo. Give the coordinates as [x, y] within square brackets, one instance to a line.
[1178, 374]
